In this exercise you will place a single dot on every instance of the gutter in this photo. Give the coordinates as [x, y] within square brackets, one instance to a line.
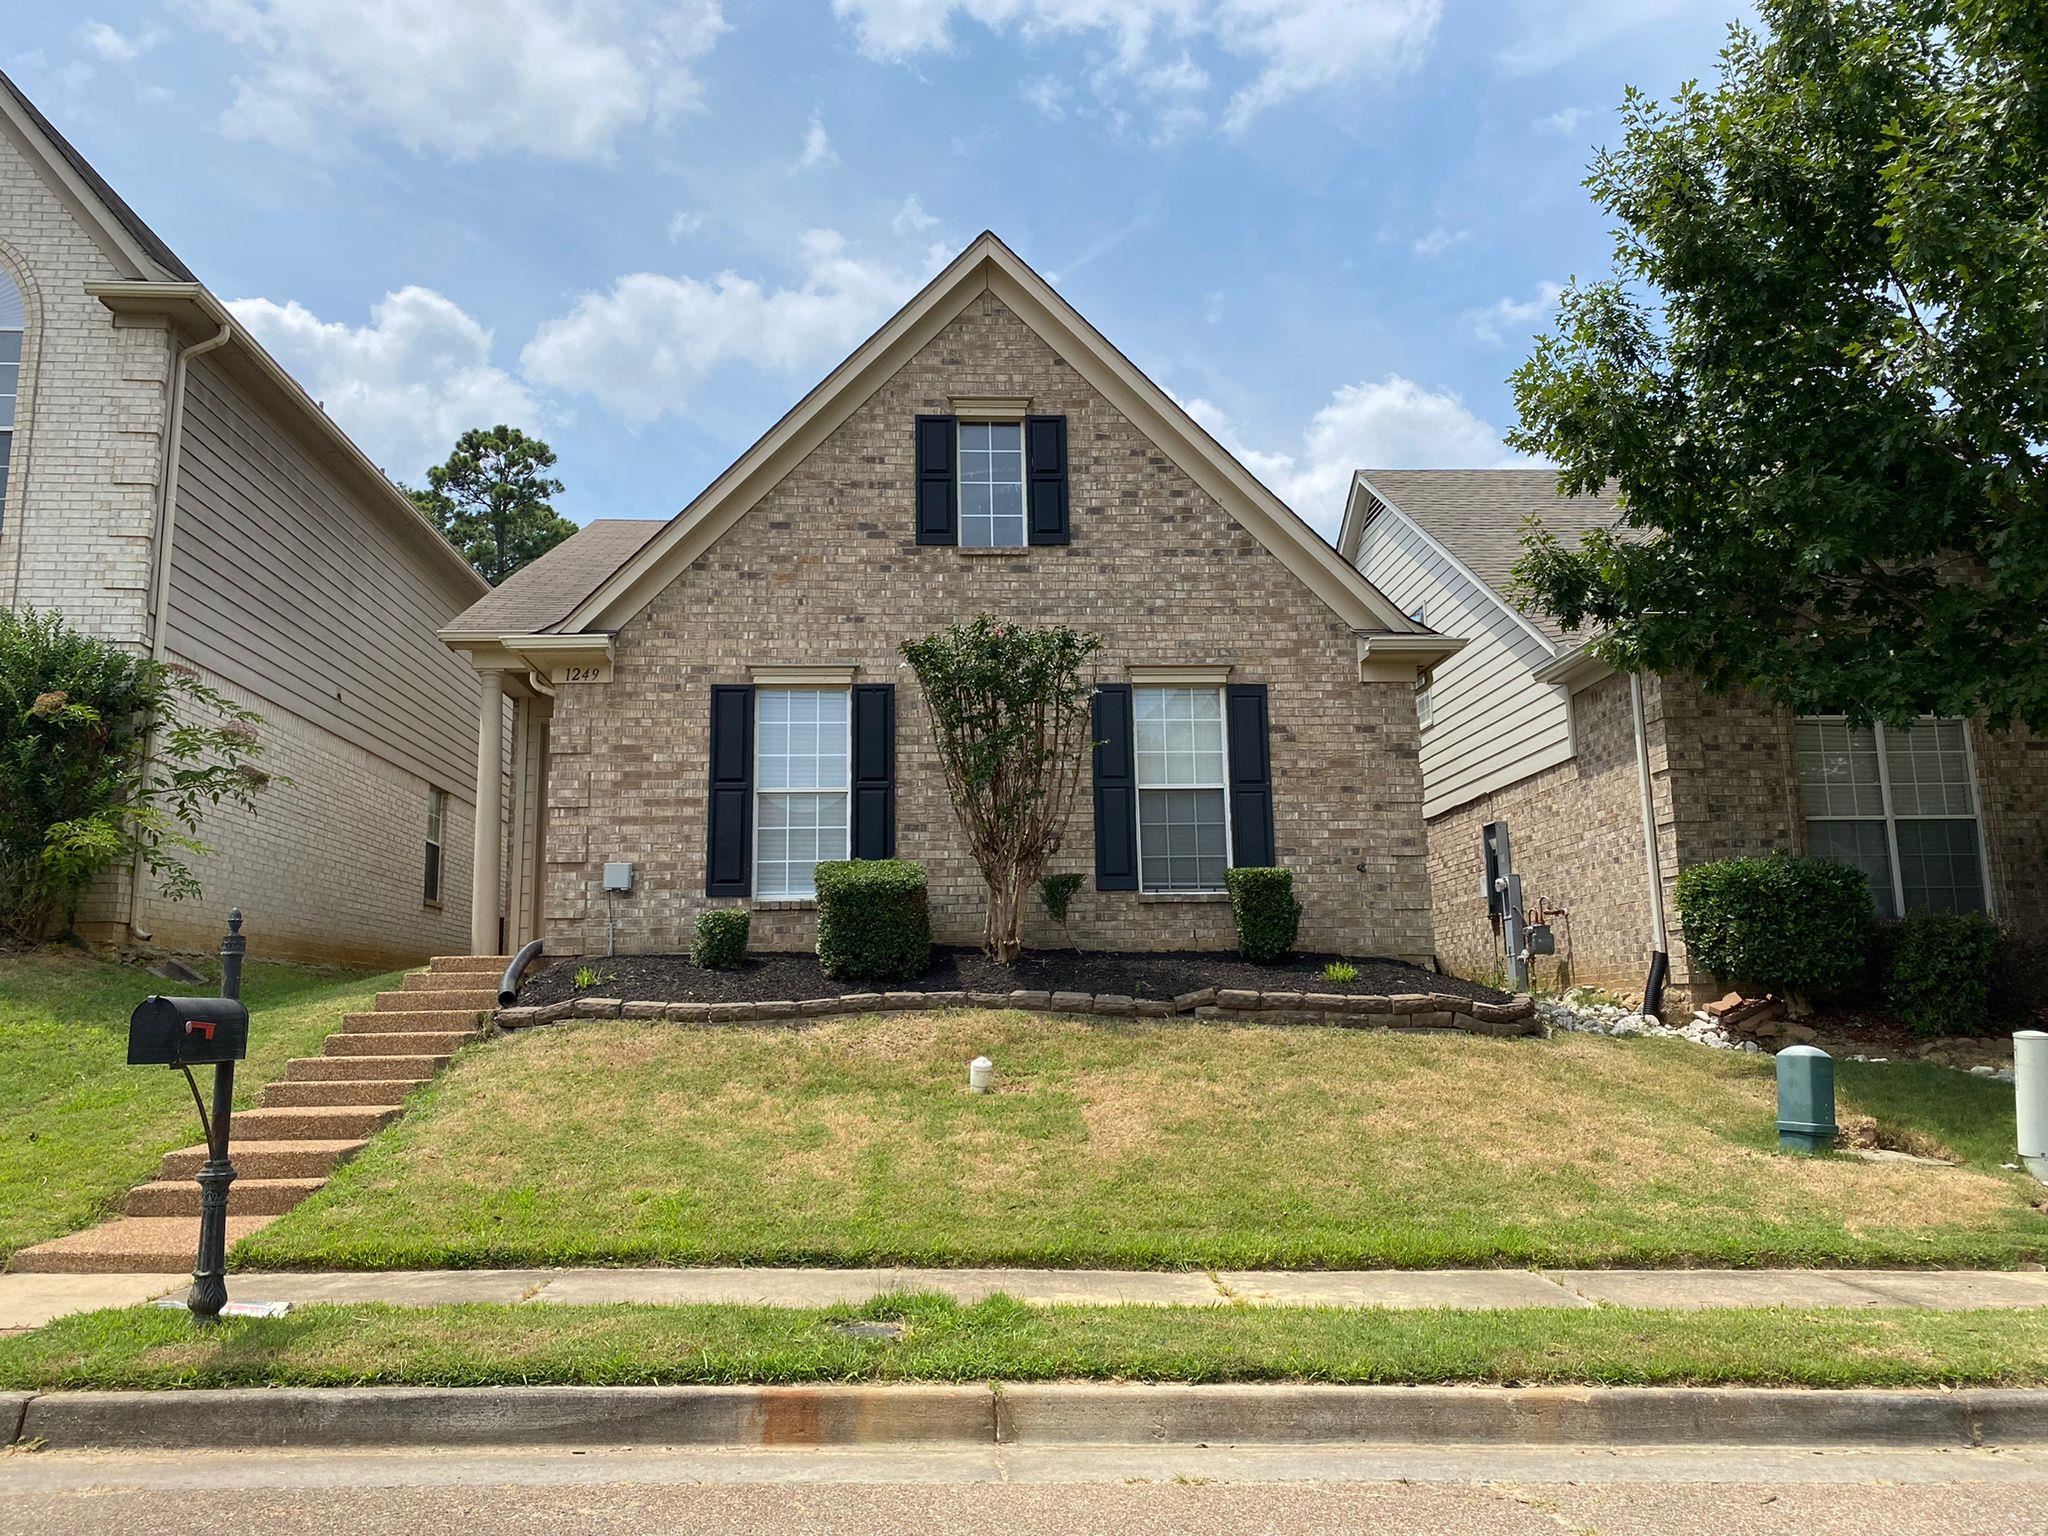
[160, 563]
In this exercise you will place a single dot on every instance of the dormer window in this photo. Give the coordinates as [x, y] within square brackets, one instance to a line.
[992, 484]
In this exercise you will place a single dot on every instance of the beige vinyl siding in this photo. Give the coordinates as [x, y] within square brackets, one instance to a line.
[1491, 722]
[285, 585]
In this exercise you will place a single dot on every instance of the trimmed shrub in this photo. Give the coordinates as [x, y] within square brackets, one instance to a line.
[1777, 922]
[1262, 905]
[1939, 970]
[719, 942]
[874, 920]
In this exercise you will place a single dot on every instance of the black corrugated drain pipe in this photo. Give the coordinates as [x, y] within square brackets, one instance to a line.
[508, 984]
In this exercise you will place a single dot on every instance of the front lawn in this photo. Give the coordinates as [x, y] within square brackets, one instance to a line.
[78, 1125]
[1132, 1145]
[537, 1344]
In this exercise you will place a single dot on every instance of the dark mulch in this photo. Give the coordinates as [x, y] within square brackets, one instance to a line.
[791, 978]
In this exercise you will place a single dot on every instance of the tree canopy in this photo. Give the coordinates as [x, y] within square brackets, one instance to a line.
[1817, 379]
[491, 499]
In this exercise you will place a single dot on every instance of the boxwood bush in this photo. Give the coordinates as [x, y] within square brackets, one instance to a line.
[719, 941]
[874, 920]
[1939, 971]
[1777, 922]
[1263, 906]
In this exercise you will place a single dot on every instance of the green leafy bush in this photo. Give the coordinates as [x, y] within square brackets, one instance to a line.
[719, 941]
[1340, 973]
[105, 756]
[874, 920]
[1777, 922]
[2019, 984]
[1267, 916]
[1057, 893]
[1939, 970]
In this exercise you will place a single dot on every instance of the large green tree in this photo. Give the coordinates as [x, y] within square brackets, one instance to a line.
[1818, 377]
[491, 499]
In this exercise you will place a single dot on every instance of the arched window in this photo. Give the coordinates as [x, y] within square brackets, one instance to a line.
[13, 316]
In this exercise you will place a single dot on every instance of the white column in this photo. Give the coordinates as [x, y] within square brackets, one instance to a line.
[487, 858]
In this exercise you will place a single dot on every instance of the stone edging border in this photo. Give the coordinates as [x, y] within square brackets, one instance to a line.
[1405, 1010]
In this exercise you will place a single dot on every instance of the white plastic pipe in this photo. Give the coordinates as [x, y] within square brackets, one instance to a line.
[2030, 1087]
[981, 1072]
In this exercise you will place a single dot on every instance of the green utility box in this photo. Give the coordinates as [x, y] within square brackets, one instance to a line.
[1806, 1099]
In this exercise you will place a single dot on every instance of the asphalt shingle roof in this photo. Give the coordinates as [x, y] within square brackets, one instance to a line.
[533, 600]
[1477, 514]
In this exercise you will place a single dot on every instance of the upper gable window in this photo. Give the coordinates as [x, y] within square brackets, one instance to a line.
[13, 322]
[992, 484]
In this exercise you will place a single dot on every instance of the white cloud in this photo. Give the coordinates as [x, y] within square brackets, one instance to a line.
[406, 385]
[643, 348]
[1048, 93]
[684, 223]
[1393, 423]
[560, 78]
[1564, 120]
[1438, 240]
[912, 221]
[118, 47]
[1507, 319]
[1291, 46]
[1554, 32]
[817, 146]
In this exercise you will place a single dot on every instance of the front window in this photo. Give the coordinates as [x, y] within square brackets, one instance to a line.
[437, 814]
[13, 317]
[800, 788]
[1183, 808]
[992, 484]
[1900, 806]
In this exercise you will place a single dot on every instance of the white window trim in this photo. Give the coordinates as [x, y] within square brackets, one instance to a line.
[1892, 818]
[1023, 482]
[831, 685]
[1137, 779]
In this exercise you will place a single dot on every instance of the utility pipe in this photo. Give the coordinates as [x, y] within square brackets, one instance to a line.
[1660, 943]
[160, 568]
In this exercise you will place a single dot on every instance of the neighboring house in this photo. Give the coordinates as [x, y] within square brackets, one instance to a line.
[167, 486]
[1525, 727]
[718, 701]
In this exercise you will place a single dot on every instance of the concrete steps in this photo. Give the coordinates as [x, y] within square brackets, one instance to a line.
[246, 1197]
[319, 1114]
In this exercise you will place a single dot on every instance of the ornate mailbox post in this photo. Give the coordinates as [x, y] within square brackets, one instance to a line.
[185, 1032]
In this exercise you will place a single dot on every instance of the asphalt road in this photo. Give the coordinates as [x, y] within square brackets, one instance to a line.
[1387, 1492]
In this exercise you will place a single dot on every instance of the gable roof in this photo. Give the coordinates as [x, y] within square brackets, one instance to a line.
[1476, 517]
[536, 597]
[989, 266]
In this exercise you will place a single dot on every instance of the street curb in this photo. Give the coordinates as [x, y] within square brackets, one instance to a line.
[1016, 1414]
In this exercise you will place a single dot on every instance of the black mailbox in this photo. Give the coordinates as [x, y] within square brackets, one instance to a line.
[187, 1031]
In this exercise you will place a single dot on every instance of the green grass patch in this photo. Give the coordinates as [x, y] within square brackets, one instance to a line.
[78, 1125]
[999, 1339]
[1131, 1145]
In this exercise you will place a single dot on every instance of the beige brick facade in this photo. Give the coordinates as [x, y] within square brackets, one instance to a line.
[825, 570]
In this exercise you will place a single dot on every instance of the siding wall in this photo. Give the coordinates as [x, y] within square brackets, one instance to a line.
[1491, 723]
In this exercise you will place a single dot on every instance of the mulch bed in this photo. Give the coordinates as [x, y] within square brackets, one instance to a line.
[1162, 974]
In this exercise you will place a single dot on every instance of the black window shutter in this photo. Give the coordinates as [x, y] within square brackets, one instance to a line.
[874, 771]
[1251, 777]
[1116, 790]
[1045, 458]
[729, 816]
[938, 480]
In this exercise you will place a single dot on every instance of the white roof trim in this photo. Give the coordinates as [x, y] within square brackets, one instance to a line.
[987, 265]
[1573, 670]
[1353, 532]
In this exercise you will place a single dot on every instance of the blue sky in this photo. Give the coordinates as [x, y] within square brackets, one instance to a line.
[644, 229]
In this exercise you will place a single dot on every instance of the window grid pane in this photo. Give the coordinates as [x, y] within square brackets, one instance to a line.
[1182, 834]
[1938, 866]
[1929, 768]
[1862, 844]
[992, 484]
[1838, 769]
[800, 777]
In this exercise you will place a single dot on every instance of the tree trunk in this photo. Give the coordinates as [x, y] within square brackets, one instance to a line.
[1000, 936]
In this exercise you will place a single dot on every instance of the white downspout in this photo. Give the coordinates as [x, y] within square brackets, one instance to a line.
[1660, 957]
[160, 582]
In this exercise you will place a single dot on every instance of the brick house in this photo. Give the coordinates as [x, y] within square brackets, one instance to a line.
[1525, 727]
[718, 700]
[165, 485]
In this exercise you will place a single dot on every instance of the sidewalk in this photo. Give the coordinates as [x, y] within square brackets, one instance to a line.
[30, 1300]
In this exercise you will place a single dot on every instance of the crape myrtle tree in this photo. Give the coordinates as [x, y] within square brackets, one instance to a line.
[1010, 717]
[491, 499]
[1818, 377]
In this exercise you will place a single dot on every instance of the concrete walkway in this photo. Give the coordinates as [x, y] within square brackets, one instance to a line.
[30, 1300]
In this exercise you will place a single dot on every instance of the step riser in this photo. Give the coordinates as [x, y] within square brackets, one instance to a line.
[428, 1019]
[477, 965]
[351, 1069]
[315, 1124]
[398, 1045]
[246, 1197]
[311, 1161]
[472, 999]
[452, 981]
[348, 1092]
